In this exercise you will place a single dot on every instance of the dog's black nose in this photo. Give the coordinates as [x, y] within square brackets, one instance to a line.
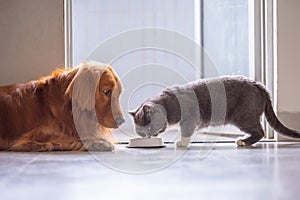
[119, 121]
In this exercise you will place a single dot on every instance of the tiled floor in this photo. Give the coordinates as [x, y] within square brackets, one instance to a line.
[205, 171]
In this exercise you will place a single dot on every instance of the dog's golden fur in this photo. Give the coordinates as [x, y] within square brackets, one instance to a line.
[56, 112]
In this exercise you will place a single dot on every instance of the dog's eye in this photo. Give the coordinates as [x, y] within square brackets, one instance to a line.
[107, 92]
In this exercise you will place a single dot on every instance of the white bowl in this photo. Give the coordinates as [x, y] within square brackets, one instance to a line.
[146, 143]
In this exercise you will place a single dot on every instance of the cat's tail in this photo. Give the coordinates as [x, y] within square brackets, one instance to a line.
[276, 124]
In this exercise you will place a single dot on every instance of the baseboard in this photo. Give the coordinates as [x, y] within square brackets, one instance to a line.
[291, 120]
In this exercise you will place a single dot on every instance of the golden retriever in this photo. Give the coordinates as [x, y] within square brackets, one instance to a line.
[70, 110]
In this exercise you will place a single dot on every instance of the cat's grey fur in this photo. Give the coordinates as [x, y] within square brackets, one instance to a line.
[217, 101]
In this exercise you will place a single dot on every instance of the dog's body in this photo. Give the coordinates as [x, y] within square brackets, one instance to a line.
[39, 115]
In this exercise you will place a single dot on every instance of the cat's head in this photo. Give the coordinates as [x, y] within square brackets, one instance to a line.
[150, 119]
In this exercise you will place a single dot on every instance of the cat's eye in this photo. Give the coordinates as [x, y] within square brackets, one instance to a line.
[107, 92]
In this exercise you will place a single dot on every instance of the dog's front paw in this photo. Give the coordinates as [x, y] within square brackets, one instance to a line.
[101, 146]
[183, 142]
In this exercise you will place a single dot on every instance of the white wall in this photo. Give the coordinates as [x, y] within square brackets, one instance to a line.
[288, 104]
[31, 39]
[288, 55]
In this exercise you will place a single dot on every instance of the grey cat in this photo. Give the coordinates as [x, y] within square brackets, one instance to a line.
[210, 102]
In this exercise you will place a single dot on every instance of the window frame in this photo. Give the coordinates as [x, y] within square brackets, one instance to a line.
[68, 33]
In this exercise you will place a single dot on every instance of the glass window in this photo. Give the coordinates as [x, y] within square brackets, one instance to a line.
[224, 28]
[225, 36]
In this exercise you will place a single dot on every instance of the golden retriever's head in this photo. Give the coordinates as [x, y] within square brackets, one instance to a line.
[97, 87]
[107, 100]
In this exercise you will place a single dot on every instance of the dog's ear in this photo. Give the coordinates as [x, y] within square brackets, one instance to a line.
[82, 88]
[71, 75]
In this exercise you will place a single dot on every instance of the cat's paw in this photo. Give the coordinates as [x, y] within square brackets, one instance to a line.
[240, 143]
[180, 144]
[183, 143]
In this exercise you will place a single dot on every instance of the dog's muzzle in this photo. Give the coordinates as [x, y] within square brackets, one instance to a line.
[119, 121]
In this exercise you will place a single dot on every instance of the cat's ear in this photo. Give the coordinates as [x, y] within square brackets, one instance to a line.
[132, 113]
[147, 108]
